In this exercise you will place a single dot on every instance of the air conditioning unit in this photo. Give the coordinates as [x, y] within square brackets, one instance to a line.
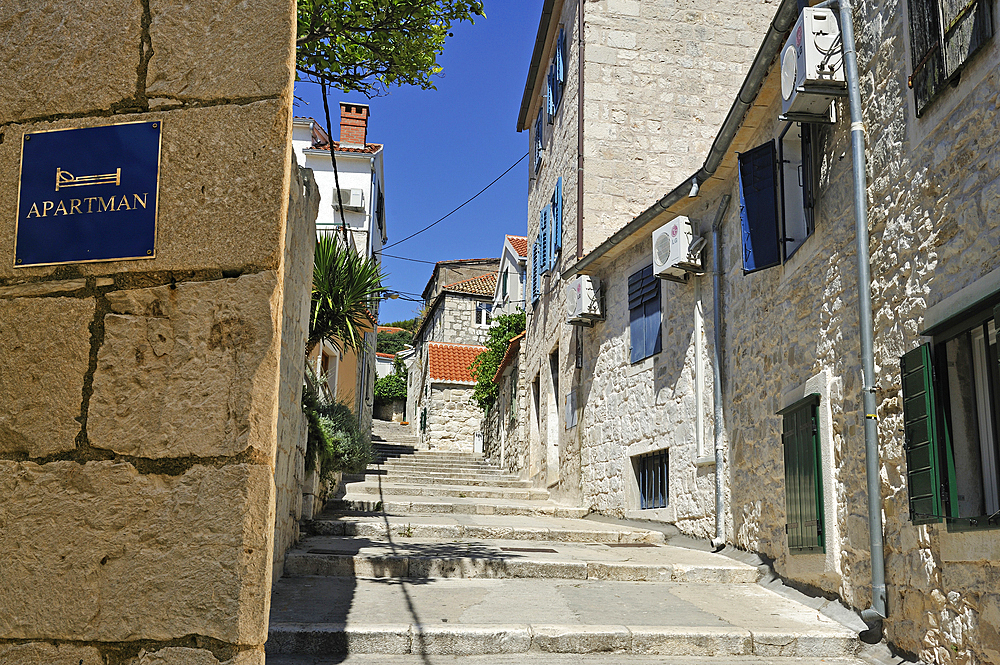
[676, 250]
[583, 300]
[812, 66]
[354, 199]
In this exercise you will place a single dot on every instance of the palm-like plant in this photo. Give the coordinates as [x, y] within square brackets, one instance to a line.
[346, 288]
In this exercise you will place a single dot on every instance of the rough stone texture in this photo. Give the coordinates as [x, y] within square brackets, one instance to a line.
[47, 51]
[453, 419]
[221, 191]
[660, 77]
[194, 57]
[102, 553]
[289, 465]
[43, 288]
[190, 370]
[46, 344]
[34, 653]
[188, 656]
[505, 438]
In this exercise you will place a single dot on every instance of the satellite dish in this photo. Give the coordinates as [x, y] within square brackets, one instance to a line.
[789, 63]
[662, 249]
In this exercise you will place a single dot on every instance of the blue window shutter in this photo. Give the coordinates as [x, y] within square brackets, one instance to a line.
[561, 58]
[550, 97]
[653, 336]
[539, 146]
[543, 237]
[644, 314]
[636, 334]
[557, 208]
[759, 208]
[535, 272]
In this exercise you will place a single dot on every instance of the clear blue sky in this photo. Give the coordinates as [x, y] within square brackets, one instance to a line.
[442, 146]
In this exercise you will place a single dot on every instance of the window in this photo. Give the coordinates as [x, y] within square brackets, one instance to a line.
[644, 314]
[503, 288]
[537, 145]
[555, 237]
[944, 34]
[776, 204]
[536, 271]
[803, 477]
[556, 80]
[545, 236]
[651, 472]
[951, 413]
[483, 311]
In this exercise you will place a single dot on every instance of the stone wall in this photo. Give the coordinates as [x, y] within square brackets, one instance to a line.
[452, 417]
[505, 440]
[289, 467]
[138, 441]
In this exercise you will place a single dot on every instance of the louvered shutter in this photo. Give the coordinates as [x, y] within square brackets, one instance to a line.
[967, 27]
[759, 208]
[550, 99]
[557, 212]
[644, 314]
[538, 140]
[543, 235]
[922, 439]
[803, 488]
[560, 67]
[535, 269]
[927, 74]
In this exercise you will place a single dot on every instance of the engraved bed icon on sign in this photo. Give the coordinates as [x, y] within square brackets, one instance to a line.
[66, 179]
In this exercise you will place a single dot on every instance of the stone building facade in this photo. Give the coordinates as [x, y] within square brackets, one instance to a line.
[505, 441]
[657, 80]
[455, 325]
[791, 348]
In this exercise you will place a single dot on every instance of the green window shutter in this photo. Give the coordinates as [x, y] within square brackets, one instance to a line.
[803, 486]
[923, 438]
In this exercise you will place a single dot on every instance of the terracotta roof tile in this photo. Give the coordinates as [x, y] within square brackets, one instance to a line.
[385, 355]
[520, 245]
[483, 285]
[390, 329]
[450, 362]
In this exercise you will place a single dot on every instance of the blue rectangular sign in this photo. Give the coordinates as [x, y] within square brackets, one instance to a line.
[88, 194]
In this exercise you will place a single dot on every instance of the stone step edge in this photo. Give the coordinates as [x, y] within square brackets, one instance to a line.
[362, 504]
[443, 490]
[339, 527]
[484, 639]
[304, 564]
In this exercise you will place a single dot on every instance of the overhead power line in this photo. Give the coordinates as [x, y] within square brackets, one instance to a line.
[467, 201]
[403, 258]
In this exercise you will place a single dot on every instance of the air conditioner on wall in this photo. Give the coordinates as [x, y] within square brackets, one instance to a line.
[354, 199]
[676, 250]
[812, 67]
[583, 300]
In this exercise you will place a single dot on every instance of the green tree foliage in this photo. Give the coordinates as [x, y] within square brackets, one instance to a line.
[393, 342]
[335, 440]
[368, 45]
[390, 388]
[346, 287]
[405, 324]
[503, 329]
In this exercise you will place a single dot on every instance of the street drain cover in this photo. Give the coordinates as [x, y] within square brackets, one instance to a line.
[528, 549]
[631, 545]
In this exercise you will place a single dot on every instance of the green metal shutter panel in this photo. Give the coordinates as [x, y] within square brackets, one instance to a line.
[803, 474]
[921, 437]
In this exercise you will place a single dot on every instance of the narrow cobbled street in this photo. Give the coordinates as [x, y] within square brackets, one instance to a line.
[433, 555]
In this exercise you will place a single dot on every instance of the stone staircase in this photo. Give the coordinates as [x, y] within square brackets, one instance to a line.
[433, 556]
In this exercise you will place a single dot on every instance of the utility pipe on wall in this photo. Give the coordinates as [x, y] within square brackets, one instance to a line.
[720, 518]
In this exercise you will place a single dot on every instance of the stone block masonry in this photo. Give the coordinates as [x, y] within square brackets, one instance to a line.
[151, 408]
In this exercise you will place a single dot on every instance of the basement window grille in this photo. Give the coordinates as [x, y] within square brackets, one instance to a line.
[652, 472]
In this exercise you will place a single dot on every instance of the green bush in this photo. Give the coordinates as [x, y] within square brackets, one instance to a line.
[503, 329]
[335, 439]
[390, 388]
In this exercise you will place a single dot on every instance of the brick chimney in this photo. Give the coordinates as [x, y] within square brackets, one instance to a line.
[353, 125]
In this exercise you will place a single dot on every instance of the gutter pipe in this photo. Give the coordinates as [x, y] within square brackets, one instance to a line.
[720, 522]
[783, 21]
[874, 615]
[579, 132]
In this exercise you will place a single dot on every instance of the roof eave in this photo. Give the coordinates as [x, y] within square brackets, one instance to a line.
[536, 61]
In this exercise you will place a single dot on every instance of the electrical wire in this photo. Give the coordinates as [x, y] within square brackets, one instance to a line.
[403, 258]
[467, 201]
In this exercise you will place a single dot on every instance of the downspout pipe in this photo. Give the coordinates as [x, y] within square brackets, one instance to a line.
[874, 615]
[720, 517]
[579, 130]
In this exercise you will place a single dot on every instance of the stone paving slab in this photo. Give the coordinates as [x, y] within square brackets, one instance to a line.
[388, 489]
[408, 505]
[433, 558]
[539, 658]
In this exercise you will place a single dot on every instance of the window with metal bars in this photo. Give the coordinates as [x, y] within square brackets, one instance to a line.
[944, 34]
[652, 473]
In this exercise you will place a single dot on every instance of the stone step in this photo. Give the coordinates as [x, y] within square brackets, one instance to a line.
[411, 463]
[332, 525]
[387, 489]
[475, 480]
[419, 505]
[543, 658]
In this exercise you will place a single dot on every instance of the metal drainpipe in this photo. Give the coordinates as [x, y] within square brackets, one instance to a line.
[579, 131]
[874, 614]
[720, 520]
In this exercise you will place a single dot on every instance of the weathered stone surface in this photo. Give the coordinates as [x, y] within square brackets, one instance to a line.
[191, 370]
[194, 55]
[42, 288]
[98, 552]
[46, 349]
[188, 656]
[43, 653]
[57, 61]
[223, 193]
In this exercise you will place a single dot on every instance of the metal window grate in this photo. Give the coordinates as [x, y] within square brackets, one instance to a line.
[652, 472]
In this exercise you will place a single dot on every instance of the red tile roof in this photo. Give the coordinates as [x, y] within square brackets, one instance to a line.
[390, 329]
[520, 245]
[483, 285]
[385, 355]
[450, 362]
[512, 348]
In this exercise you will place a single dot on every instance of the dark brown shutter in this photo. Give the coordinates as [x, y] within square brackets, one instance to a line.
[927, 75]
[967, 26]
